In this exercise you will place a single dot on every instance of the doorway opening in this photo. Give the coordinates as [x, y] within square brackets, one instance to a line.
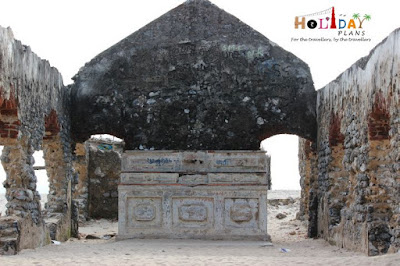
[284, 196]
[99, 166]
[42, 183]
[284, 162]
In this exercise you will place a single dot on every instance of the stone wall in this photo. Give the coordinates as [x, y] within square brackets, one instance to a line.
[34, 115]
[356, 195]
[308, 173]
[104, 170]
[98, 168]
[81, 189]
[214, 85]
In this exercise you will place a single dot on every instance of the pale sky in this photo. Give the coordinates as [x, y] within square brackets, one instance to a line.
[70, 33]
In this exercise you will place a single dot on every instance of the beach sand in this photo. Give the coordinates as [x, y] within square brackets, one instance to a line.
[290, 246]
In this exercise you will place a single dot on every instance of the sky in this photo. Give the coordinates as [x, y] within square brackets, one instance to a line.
[70, 33]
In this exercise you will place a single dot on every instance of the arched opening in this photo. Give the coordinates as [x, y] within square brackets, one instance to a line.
[284, 162]
[285, 191]
[42, 183]
[97, 164]
[106, 137]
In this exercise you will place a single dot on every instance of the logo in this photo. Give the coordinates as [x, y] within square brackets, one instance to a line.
[326, 21]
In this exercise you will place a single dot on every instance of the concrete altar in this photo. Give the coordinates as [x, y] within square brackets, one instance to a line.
[198, 195]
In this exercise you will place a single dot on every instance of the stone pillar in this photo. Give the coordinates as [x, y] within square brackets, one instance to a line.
[23, 227]
[81, 192]
[23, 199]
[308, 174]
[59, 199]
[308, 169]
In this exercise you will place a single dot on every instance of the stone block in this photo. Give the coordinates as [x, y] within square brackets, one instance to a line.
[198, 161]
[198, 200]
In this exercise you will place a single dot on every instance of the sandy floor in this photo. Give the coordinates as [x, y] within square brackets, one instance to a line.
[287, 235]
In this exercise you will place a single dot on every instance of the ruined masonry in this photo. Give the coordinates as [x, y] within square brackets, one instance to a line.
[197, 80]
[98, 164]
[34, 114]
[350, 174]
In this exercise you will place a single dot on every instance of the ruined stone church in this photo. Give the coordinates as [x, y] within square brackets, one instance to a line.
[192, 94]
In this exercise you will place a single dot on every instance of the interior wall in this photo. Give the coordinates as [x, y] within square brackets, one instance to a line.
[104, 168]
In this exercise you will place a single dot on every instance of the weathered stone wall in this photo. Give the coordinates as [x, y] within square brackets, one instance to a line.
[34, 114]
[358, 185]
[197, 78]
[104, 171]
[308, 173]
[98, 168]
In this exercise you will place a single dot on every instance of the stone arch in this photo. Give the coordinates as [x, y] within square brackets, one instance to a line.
[97, 164]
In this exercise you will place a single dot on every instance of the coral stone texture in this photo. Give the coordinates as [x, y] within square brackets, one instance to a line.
[196, 78]
[354, 199]
[34, 114]
[104, 175]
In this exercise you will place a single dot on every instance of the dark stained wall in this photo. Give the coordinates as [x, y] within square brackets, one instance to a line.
[196, 78]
